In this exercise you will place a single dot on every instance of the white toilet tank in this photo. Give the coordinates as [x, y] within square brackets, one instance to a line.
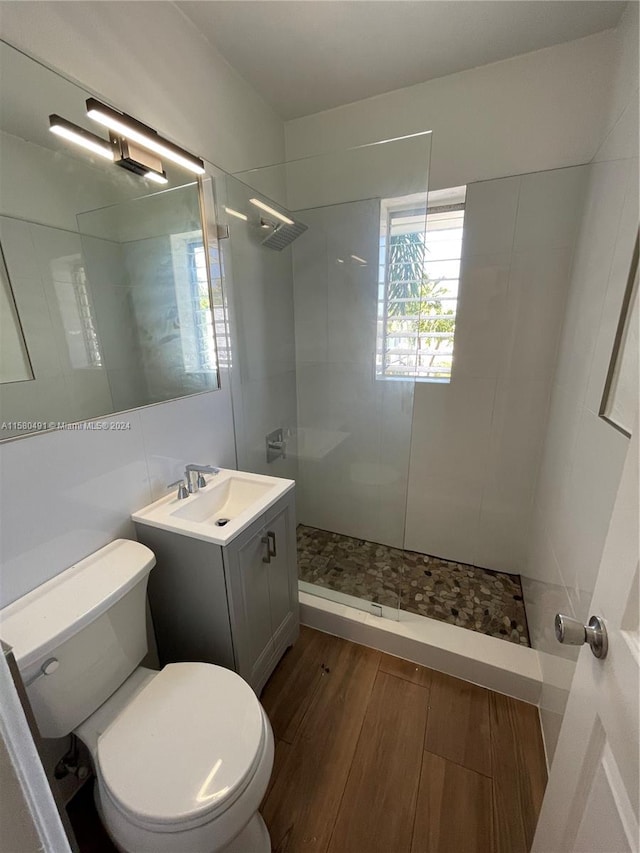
[79, 636]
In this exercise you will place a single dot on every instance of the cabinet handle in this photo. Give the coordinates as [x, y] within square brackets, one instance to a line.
[265, 541]
[271, 537]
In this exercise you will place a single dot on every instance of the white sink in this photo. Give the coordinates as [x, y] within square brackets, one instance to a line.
[219, 511]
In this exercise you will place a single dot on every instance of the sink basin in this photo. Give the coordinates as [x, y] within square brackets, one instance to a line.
[219, 511]
[223, 501]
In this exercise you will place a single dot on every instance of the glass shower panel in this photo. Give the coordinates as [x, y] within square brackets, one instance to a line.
[310, 236]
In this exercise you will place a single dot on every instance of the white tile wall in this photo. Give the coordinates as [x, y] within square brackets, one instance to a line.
[77, 484]
[482, 308]
[490, 214]
[583, 456]
[198, 429]
[546, 209]
[66, 493]
[535, 307]
[517, 432]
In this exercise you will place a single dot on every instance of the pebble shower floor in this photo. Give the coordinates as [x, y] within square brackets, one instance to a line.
[482, 600]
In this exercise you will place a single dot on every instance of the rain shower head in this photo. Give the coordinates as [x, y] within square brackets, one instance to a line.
[283, 234]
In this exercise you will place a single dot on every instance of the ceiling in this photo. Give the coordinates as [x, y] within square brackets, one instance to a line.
[304, 56]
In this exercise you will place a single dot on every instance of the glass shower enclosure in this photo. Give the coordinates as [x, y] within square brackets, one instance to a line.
[326, 264]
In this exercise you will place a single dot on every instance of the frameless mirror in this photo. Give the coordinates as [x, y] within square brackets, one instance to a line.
[105, 291]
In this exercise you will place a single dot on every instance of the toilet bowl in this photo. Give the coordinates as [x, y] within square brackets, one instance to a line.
[182, 759]
[183, 756]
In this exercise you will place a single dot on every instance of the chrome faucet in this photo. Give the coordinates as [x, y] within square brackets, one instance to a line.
[200, 481]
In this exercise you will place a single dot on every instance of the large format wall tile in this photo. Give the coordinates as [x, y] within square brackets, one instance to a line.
[490, 217]
[81, 486]
[583, 456]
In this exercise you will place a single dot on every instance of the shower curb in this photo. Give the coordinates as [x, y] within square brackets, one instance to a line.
[504, 667]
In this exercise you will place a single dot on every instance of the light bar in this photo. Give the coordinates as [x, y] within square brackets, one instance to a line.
[270, 210]
[73, 133]
[156, 177]
[145, 136]
[359, 259]
[237, 213]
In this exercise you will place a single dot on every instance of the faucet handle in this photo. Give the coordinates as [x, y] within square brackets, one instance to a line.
[183, 491]
[201, 480]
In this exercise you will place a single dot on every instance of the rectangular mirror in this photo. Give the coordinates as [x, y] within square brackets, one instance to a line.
[106, 297]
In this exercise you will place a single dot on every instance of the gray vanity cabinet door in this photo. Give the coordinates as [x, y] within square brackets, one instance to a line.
[251, 614]
[279, 573]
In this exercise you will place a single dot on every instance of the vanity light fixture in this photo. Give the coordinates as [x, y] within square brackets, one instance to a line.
[270, 210]
[147, 137]
[73, 133]
[112, 150]
[359, 260]
[237, 213]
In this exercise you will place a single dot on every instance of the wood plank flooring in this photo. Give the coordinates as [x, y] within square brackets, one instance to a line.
[378, 755]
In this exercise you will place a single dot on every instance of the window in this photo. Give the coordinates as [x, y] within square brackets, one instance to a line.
[420, 250]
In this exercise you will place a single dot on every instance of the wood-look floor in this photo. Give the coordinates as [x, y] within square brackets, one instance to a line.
[377, 755]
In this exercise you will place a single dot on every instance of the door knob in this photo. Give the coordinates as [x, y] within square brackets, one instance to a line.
[572, 632]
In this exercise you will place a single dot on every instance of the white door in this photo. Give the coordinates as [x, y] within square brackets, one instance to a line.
[591, 801]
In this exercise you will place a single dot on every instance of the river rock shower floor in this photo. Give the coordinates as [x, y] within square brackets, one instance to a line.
[482, 600]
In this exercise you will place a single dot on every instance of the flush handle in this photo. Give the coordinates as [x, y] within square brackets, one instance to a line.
[47, 668]
[572, 632]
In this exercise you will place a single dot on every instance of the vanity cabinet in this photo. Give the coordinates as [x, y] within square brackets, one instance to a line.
[236, 606]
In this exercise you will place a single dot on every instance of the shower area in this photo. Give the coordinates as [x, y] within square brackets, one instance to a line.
[395, 349]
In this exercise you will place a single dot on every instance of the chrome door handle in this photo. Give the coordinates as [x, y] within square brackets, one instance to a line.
[572, 632]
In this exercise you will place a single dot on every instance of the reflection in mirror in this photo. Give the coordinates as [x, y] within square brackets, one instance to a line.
[106, 296]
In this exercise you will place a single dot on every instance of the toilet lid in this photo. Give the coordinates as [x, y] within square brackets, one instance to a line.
[184, 748]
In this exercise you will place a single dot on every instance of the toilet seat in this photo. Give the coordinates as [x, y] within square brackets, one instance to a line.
[184, 749]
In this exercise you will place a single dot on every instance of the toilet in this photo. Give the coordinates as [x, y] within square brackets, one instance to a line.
[182, 757]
